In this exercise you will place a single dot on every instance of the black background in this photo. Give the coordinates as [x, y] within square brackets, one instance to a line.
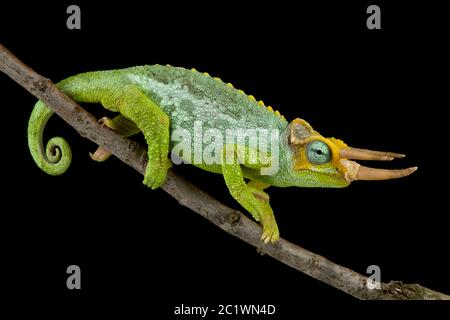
[139, 249]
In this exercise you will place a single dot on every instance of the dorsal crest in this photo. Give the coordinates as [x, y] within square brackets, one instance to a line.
[250, 97]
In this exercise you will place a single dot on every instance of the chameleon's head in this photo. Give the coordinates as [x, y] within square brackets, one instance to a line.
[326, 162]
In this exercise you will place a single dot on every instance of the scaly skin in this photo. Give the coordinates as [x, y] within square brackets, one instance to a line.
[158, 100]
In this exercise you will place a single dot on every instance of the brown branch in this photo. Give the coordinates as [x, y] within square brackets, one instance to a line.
[230, 220]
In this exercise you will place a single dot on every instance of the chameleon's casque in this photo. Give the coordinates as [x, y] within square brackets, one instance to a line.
[160, 100]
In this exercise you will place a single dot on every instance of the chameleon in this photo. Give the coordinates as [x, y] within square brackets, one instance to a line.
[158, 100]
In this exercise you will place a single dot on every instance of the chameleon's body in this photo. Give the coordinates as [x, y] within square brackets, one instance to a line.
[157, 100]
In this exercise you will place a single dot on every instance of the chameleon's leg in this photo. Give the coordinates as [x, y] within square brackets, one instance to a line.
[267, 218]
[134, 105]
[250, 196]
[119, 124]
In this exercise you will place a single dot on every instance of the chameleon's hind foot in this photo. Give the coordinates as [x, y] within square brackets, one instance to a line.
[103, 154]
[156, 173]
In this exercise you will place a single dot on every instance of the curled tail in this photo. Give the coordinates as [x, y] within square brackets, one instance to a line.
[87, 87]
[55, 158]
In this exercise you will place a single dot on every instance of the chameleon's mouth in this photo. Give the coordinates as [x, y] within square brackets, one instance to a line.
[355, 171]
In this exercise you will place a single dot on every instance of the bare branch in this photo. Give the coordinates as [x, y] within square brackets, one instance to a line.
[232, 221]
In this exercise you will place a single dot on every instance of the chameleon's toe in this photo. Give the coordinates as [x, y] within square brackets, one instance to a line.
[154, 180]
[105, 121]
[100, 155]
[270, 233]
[103, 154]
[156, 174]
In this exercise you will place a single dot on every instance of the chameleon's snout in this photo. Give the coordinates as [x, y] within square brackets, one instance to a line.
[355, 171]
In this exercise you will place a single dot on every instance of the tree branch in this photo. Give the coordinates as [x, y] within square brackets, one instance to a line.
[232, 221]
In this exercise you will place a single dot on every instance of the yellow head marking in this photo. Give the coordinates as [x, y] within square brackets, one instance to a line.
[338, 142]
[301, 137]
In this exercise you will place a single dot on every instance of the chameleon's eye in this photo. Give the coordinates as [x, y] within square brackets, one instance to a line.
[318, 152]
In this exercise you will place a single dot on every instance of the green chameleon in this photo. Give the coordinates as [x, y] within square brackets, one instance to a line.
[158, 100]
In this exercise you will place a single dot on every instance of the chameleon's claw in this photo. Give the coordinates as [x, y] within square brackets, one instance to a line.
[267, 238]
[270, 233]
[100, 155]
[103, 154]
[109, 123]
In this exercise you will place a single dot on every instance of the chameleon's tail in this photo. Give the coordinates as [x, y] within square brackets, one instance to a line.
[56, 157]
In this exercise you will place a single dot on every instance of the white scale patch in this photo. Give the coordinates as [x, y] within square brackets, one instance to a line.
[174, 93]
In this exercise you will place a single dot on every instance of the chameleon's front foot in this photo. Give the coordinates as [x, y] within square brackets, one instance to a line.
[270, 232]
[156, 173]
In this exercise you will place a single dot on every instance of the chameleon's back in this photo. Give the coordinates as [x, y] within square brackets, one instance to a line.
[188, 96]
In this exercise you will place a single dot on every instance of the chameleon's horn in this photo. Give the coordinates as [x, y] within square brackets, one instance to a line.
[364, 154]
[355, 171]
[365, 173]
